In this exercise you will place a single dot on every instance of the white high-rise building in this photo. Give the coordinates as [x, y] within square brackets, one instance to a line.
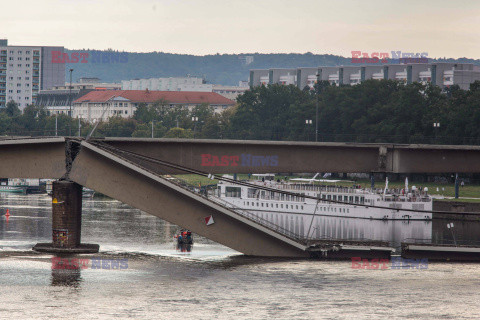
[24, 70]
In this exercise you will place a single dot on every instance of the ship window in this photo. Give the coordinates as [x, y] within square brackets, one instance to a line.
[262, 204]
[281, 205]
[234, 192]
[296, 207]
[356, 199]
[335, 198]
[350, 199]
[277, 205]
[257, 204]
[302, 207]
[348, 210]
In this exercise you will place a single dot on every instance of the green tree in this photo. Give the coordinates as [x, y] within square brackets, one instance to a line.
[117, 127]
[179, 133]
[12, 109]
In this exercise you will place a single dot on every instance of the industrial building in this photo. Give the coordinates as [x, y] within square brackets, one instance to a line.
[440, 74]
[184, 84]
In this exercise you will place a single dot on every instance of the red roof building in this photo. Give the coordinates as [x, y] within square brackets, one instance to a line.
[97, 105]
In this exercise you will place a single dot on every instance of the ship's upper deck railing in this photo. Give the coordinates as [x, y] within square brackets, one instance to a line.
[394, 194]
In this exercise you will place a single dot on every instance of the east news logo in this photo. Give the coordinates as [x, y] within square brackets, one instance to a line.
[94, 263]
[93, 57]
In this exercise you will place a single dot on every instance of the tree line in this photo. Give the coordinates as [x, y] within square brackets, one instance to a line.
[372, 111]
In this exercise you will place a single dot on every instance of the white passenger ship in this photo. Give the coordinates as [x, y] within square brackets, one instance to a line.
[355, 202]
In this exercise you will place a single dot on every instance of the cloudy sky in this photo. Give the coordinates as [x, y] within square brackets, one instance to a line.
[440, 27]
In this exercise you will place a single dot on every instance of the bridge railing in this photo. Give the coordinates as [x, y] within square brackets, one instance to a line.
[244, 213]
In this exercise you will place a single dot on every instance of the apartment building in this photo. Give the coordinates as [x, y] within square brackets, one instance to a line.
[25, 70]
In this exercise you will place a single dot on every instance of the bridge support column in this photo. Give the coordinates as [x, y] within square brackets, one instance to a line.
[66, 221]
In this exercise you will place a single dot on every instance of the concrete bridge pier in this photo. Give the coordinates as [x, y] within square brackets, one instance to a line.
[66, 221]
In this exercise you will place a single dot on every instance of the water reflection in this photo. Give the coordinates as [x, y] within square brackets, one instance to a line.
[66, 271]
[392, 231]
[182, 247]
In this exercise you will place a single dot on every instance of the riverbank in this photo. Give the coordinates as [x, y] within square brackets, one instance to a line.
[460, 210]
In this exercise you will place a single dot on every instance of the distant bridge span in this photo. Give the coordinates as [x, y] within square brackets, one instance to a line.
[49, 157]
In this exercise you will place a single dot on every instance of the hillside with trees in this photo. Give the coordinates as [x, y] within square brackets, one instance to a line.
[226, 69]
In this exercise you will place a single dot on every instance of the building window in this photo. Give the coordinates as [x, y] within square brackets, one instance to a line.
[19, 58]
[27, 58]
[27, 52]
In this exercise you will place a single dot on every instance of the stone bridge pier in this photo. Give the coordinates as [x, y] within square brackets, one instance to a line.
[66, 221]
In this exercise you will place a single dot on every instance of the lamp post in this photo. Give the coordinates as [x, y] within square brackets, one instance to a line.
[436, 125]
[307, 123]
[70, 103]
[221, 129]
[152, 128]
[56, 123]
[79, 125]
[195, 120]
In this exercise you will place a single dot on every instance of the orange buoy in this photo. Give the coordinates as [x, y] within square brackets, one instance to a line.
[8, 213]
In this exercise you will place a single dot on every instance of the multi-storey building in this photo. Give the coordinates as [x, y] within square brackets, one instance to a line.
[167, 84]
[182, 84]
[101, 105]
[438, 73]
[25, 70]
[229, 92]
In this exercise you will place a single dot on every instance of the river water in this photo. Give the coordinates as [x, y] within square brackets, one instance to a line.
[157, 281]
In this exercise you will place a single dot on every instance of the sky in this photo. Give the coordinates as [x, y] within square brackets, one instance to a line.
[440, 28]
